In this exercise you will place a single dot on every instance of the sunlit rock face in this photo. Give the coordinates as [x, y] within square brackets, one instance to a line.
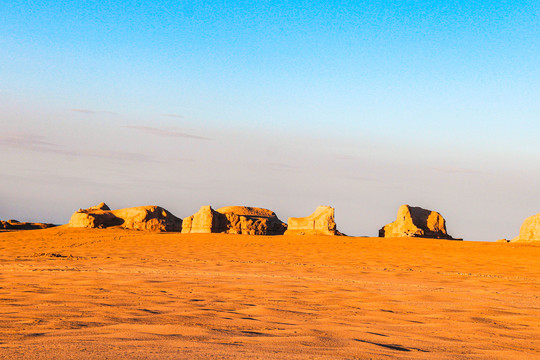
[530, 230]
[321, 222]
[17, 225]
[204, 221]
[252, 221]
[148, 218]
[416, 222]
[234, 220]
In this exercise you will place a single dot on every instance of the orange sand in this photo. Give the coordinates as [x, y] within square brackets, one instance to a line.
[111, 294]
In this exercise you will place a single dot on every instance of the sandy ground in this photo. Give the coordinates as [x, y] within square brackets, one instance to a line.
[114, 294]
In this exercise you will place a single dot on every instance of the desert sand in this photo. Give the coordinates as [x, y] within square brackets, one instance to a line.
[115, 293]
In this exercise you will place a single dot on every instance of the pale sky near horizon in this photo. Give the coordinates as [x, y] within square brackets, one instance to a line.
[361, 105]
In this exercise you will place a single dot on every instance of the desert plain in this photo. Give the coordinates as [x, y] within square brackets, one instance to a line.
[68, 293]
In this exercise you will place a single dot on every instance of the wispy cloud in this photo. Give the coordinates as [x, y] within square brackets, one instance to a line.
[40, 144]
[362, 178]
[280, 166]
[26, 141]
[344, 157]
[92, 112]
[166, 133]
[450, 170]
[174, 116]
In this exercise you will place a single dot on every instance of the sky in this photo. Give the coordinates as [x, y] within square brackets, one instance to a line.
[286, 105]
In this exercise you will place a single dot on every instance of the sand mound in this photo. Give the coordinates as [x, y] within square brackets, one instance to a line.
[234, 220]
[417, 222]
[530, 229]
[321, 222]
[150, 218]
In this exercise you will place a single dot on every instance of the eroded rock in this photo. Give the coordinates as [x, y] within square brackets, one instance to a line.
[530, 230]
[252, 221]
[204, 221]
[234, 220]
[17, 225]
[414, 221]
[321, 222]
[149, 218]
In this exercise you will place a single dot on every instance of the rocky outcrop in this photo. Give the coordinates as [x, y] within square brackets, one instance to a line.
[205, 221]
[416, 222]
[321, 222]
[252, 221]
[149, 218]
[94, 218]
[234, 220]
[530, 230]
[17, 225]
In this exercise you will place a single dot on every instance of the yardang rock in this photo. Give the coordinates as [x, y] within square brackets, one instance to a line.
[530, 230]
[205, 221]
[234, 220]
[321, 222]
[252, 221]
[149, 218]
[17, 225]
[416, 222]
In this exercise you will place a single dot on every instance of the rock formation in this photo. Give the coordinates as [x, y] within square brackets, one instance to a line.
[530, 230]
[321, 222]
[252, 221]
[416, 222]
[150, 218]
[17, 225]
[234, 220]
[205, 221]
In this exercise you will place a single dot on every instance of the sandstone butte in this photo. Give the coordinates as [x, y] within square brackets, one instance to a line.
[530, 230]
[234, 220]
[321, 222]
[17, 225]
[150, 218]
[416, 222]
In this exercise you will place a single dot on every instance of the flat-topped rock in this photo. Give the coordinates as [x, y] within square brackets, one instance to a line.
[149, 218]
[252, 221]
[530, 230]
[17, 225]
[321, 222]
[246, 211]
[234, 220]
[414, 221]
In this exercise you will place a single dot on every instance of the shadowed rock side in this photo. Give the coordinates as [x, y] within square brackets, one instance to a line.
[234, 220]
[530, 230]
[149, 218]
[321, 222]
[416, 222]
[17, 225]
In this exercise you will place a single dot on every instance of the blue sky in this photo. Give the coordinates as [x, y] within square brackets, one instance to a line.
[286, 105]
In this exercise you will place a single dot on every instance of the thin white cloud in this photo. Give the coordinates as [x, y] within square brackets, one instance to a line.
[362, 178]
[174, 116]
[166, 133]
[27, 141]
[281, 166]
[39, 144]
[449, 170]
[92, 112]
